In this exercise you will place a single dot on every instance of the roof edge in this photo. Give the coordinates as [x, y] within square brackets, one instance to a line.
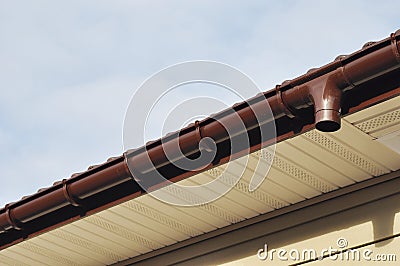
[317, 99]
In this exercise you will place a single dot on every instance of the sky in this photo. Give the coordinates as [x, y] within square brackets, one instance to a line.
[68, 69]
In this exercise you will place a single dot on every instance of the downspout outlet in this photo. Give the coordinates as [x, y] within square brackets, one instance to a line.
[326, 96]
[327, 120]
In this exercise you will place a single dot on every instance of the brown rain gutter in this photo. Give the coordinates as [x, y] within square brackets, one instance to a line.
[321, 88]
[340, 87]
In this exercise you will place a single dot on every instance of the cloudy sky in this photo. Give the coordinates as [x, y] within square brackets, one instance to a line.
[69, 68]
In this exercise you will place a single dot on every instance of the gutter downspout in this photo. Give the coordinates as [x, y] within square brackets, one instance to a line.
[322, 88]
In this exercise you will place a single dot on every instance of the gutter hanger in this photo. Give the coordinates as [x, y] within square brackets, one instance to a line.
[321, 89]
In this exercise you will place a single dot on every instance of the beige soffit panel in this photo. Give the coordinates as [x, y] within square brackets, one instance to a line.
[303, 167]
[378, 120]
[392, 141]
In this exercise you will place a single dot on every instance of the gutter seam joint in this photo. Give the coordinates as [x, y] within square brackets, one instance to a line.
[395, 47]
[68, 195]
[282, 104]
[13, 223]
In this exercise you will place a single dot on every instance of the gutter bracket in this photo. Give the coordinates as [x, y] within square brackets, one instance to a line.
[204, 143]
[395, 44]
[285, 108]
[10, 219]
[68, 195]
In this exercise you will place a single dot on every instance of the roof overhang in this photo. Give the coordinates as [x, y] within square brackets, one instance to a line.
[367, 84]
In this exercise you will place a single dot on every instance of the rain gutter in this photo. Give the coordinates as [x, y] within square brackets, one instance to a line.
[317, 99]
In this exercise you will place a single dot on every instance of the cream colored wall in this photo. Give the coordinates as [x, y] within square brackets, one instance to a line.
[385, 223]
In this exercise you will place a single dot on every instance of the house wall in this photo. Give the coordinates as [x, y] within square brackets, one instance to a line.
[362, 229]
